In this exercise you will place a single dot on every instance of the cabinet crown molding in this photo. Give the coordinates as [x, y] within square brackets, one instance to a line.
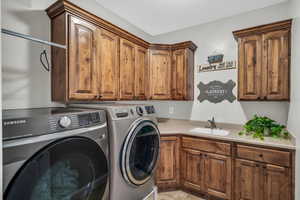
[286, 24]
[171, 47]
[62, 6]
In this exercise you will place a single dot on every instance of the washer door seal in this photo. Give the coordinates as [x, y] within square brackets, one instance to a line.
[140, 152]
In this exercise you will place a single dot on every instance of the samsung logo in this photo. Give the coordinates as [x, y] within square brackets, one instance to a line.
[14, 122]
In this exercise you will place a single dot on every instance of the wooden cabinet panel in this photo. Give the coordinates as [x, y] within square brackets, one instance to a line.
[179, 74]
[82, 63]
[127, 69]
[167, 173]
[248, 184]
[264, 155]
[218, 175]
[264, 62]
[108, 64]
[276, 65]
[192, 166]
[277, 183]
[250, 68]
[160, 74]
[90, 67]
[206, 145]
[141, 73]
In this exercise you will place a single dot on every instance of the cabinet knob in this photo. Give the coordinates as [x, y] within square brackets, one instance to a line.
[261, 155]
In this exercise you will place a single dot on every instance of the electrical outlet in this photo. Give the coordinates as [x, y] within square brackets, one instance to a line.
[171, 109]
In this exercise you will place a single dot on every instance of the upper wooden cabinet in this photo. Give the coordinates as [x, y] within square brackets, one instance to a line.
[141, 73]
[250, 67]
[104, 62]
[108, 65]
[127, 70]
[276, 47]
[183, 74]
[264, 61]
[82, 62]
[172, 71]
[160, 74]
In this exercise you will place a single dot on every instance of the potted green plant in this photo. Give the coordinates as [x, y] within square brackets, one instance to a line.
[261, 127]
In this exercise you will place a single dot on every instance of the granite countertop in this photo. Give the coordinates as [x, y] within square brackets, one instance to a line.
[176, 126]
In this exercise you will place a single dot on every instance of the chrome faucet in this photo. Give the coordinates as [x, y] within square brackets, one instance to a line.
[212, 123]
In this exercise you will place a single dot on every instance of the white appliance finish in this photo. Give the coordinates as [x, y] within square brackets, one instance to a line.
[128, 123]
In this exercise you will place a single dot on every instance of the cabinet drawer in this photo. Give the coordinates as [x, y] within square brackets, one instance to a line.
[206, 145]
[264, 155]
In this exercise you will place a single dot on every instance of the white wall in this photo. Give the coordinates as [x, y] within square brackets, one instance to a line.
[218, 35]
[25, 83]
[294, 115]
[0, 107]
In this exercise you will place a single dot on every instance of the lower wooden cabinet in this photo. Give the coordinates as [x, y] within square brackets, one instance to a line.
[256, 181]
[248, 183]
[218, 175]
[207, 173]
[277, 183]
[192, 169]
[234, 173]
[167, 173]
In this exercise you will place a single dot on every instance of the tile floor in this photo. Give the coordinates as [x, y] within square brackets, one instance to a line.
[177, 195]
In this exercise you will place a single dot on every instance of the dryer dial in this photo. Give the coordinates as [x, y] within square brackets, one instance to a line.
[64, 122]
[139, 111]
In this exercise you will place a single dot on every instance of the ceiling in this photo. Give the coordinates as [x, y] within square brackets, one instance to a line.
[161, 16]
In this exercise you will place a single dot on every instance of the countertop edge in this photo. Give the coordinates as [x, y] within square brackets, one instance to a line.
[226, 139]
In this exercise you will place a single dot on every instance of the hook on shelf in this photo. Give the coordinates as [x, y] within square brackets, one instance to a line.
[43, 53]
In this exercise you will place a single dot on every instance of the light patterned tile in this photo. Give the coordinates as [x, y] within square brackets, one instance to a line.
[177, 195]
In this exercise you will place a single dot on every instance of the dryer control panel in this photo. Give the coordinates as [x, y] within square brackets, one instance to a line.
[20, 123]
[133, 111]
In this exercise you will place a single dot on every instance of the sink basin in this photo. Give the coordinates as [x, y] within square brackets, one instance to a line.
[210, 131]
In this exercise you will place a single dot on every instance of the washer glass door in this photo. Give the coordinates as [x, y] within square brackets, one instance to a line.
[74, 168]
[140, 152]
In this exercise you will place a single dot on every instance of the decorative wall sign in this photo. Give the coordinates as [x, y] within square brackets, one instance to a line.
[217, 66]
[216, 91]
[217, 58]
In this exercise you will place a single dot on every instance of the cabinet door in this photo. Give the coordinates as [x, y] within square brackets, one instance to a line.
[82, 63]
[160, 74]
[218, 175]
[179, 75]
[276, 65]
[192, 166]
[248, 183]
[167, 173]
[141, 73]
[249, 82]
[127, 71]
[108, 65]
[277, 183]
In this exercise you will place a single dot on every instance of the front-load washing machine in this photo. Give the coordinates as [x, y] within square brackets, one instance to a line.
[55, 154]
[134, 149]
